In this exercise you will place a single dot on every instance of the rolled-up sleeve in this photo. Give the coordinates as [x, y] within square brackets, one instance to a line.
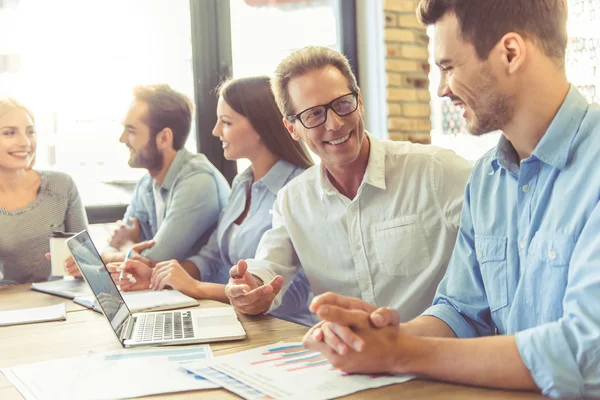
[564, 356]
[460, 300]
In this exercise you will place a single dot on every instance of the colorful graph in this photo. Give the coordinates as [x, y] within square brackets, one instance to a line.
[294, 356]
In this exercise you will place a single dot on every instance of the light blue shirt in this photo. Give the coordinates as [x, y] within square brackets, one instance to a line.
[225, 250]
[194, 192]
[527, 256]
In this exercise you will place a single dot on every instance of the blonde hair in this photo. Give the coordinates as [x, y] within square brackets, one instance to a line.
[300, 63]
[8, 104]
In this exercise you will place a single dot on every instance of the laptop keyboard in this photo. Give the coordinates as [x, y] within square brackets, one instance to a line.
[165, 326]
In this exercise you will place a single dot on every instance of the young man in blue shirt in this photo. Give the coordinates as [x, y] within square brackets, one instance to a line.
[523, 282]
[177, 204]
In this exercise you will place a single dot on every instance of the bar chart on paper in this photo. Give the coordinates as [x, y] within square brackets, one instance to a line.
[289, 371]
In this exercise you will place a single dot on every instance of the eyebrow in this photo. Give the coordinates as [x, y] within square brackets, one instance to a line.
[130, 127]
[14, 127]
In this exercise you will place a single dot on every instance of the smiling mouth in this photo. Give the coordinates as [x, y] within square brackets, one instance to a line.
[339, 141]
[19, 153]
[225, 144]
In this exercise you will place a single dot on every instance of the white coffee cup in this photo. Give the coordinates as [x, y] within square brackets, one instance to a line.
[59, 252]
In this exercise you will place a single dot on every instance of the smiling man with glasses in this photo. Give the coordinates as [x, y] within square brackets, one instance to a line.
[376, 220]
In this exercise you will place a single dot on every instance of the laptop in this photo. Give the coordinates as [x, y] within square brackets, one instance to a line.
[198, 325]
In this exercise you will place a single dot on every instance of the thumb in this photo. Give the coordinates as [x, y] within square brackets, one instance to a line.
[238, 271]
[47, 255]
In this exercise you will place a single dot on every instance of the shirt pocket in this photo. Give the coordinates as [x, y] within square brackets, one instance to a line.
[491, 255]
[400, 246]
[548, 258]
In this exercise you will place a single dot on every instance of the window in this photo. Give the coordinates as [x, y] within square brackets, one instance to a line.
[583, 70]
[75, 63]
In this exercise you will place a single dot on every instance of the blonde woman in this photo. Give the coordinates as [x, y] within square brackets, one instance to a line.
[32, 203]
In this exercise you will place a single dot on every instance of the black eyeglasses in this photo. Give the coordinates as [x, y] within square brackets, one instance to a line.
[317, 115]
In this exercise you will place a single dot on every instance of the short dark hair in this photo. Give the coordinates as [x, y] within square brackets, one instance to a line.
[485, 22]
[252, 98]
[167, 108]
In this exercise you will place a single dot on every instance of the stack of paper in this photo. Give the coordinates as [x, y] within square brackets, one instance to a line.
[32, 315]
[285, 371]
[116, 375]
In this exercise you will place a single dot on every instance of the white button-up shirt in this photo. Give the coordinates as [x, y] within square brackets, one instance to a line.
[389, 246]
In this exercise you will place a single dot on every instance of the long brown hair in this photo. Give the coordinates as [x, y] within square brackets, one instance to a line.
[252, 98]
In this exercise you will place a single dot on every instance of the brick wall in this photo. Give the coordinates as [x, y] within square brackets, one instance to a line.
[407, 69]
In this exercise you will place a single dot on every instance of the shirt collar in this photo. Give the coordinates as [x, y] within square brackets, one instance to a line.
[274, 180]
[374, 174]
[174, 169]
[553, 149]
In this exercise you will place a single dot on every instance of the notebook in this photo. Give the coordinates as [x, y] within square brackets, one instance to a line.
[32, 315]
[67, 288]
[145, 300]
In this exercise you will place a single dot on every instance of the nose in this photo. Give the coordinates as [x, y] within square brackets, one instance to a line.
[217, 130]
[25, 141]
[334, 121]
[123, 138]
[444, 88]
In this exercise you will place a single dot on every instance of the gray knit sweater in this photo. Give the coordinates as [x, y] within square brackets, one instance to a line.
[24, 233]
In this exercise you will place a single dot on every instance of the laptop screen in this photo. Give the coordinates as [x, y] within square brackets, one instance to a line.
[98, 278]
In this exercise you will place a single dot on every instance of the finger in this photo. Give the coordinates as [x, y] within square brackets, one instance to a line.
[385, 316]
[47, 255]
[332, 340]
[235, 289]
[143, 245]
[255, 296]
[164, 281]
[135, 224]
[343, 316]
[157, 278]
[114, 267]
[340, 301]
[348, 337]
[276, 285]
[69, 261]
[239, 270]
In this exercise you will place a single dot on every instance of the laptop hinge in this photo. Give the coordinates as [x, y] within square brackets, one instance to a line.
[128, 331]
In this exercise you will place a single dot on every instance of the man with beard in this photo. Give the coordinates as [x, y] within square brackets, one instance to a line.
[377, 219]
[177, 204]
[518, 307]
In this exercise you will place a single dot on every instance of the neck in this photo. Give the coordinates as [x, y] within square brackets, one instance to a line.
[262, 164]
[11, 179]
[535, 109]
[168, 157]
[347, 178]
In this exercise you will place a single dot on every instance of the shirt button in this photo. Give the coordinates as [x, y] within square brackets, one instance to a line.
[552, 255]
[522, 245]
[526, 188]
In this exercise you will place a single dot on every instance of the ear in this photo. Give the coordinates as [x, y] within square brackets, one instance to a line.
[361, 107]
[513, 52]
[291, 129]
[164, 139]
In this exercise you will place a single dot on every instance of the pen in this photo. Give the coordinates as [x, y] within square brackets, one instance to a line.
[123, 268]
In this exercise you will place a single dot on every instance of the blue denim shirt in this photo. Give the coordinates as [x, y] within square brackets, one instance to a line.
[527, 256]
[216, 258]
[194, 193]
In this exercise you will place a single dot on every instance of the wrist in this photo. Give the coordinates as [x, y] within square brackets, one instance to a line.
[406, 354]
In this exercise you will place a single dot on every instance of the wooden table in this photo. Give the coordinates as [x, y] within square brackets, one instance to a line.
[87, 330]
